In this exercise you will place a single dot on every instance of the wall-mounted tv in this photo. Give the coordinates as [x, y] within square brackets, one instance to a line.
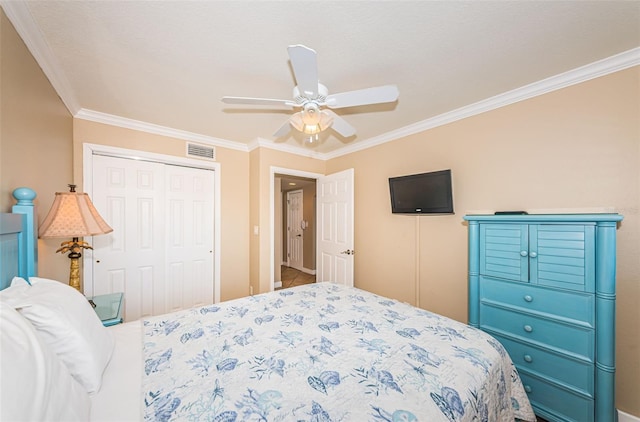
[425, 193]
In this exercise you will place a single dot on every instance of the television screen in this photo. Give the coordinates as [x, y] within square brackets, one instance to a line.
[425, 193]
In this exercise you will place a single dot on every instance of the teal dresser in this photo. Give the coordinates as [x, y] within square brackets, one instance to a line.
[544, 286]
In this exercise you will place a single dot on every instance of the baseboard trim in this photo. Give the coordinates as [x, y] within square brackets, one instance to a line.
[625, 417]
[277, 284]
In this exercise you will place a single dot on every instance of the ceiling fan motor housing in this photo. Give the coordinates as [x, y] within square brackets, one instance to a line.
[301, 99]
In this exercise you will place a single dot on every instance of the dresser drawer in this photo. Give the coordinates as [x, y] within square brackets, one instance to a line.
[548, 399]
[572, 306]
[575, 374]
[546, 332]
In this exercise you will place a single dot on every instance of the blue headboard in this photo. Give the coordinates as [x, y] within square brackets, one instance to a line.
[19, 239]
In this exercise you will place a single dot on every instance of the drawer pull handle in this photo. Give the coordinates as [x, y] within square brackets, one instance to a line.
[533, 254]
[528, 358]
[528, 388]
[528, 298]
[523, 253]
[528, 328]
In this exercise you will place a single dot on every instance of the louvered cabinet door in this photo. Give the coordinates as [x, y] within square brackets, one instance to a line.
[504, 251]
[563, 256]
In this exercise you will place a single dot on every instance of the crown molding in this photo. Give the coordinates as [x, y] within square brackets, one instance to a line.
[22, 20]
[123, 122]
[590, 71]
[291, 149]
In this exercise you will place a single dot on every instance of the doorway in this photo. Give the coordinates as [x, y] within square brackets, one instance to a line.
[334, 234]
[294, 230]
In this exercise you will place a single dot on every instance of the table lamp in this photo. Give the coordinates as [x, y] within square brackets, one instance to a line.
[73, 215]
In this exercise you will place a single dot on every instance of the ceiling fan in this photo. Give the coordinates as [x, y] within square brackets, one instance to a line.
[314, 101]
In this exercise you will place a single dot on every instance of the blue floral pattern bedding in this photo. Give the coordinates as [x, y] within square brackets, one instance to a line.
[324, 352]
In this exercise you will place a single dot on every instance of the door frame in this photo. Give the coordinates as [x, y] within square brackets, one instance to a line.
[89, 150]
[272, 211]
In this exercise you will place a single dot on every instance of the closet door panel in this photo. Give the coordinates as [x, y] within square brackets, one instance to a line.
[189, 204]
[129, 195]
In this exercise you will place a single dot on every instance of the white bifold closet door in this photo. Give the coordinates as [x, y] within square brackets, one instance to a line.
[160, 253]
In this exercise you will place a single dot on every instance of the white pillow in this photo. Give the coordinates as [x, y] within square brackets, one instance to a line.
[35, 385]
[67, 322]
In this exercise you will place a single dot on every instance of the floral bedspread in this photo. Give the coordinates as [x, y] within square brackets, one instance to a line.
[324, 352]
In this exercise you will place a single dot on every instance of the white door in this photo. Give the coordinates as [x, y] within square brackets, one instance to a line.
[189, 240]
[130, 259]
[335, 228]
[295, 234]
[162, 222]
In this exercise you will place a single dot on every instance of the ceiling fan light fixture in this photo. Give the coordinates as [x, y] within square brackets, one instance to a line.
[324, 123]
[312, 139]
[296, 122]
[313, 127]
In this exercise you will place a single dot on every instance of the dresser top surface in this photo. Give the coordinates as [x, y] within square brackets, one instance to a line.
[551, 218]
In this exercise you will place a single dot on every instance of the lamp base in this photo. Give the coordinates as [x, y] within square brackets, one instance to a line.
[74, 271]
[74, 247]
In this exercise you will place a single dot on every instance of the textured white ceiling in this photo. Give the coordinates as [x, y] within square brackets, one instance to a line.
[168, 63]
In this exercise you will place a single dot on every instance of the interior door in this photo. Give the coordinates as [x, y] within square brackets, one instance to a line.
[335, 228]
[160, 253]
[295, 234]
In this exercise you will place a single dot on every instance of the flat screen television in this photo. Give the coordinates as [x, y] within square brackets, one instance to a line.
[425, 193]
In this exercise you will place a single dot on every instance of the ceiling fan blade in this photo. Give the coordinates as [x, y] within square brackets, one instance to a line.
[375, 95]
[340, 125]
[305, 67]
[258, 101]
[284, 130]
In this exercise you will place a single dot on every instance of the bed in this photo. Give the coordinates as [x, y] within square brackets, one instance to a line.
[320, 352]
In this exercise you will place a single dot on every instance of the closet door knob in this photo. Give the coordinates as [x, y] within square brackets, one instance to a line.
[533, 254]
[523, 253]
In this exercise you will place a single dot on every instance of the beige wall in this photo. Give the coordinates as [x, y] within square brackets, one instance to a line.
[574, 149]
[35, 140]
[234, 181]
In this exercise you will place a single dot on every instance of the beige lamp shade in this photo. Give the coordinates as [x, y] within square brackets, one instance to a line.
[73, 215]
